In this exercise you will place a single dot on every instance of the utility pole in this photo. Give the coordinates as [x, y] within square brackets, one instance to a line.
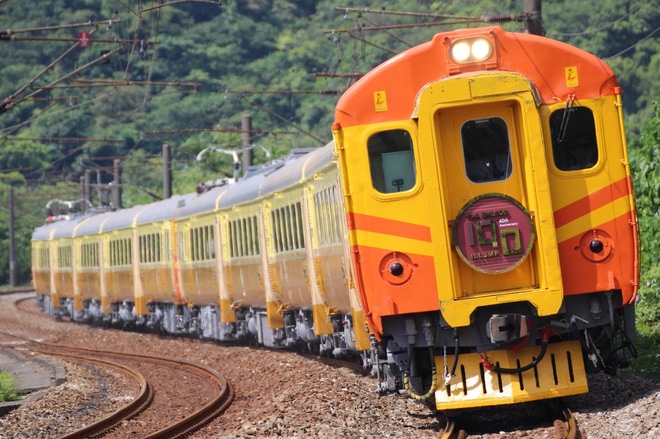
[87, 193]
[167, 172]
[246, 130]
[12, 240]
[116, 188]
[533, 22]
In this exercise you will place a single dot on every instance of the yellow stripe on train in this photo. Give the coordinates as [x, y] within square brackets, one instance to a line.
[385, 241]
[584, 223]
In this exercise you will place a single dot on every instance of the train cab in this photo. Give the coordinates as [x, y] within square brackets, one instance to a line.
[461, 265]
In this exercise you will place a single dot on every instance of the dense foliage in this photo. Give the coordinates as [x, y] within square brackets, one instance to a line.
[645, 163]
[185, 73]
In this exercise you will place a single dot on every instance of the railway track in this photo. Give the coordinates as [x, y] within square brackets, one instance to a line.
[15, 290]
[158, 392]
[147, 405]
[562, 428]
[565, 427]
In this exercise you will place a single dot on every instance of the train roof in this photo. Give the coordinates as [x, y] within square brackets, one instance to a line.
[93, 224]
[297, 170]
[300, 164]
[556, 69]
[60, 228]
[162, 210]
[205, 202]
[122, 219]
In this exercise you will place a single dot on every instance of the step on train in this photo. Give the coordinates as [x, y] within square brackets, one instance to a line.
[469, 233]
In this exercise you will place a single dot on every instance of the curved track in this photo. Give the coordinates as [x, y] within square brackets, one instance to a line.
[207, 393]
[565, 427]
[146, 403]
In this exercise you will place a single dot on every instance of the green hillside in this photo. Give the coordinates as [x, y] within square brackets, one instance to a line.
[183, 73]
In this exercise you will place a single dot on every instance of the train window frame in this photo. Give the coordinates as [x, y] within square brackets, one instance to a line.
[243, 236]
[183, 249]
[64, 256]
[287, 226]
[150, 245]
[44, 258]
[121, 253]
[483, 162]
[89, 254]
[581, 151]
[326, 216]
[391, 155]
[202, 243]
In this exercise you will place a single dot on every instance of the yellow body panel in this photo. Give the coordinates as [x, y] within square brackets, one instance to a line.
[440, 192]
[197, 262]
[140, 306]
[560, 373]
[322, 324]
[361, 331]
[537, 279]
[119, 284]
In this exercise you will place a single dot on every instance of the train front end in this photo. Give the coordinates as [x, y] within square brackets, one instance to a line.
[494, 235]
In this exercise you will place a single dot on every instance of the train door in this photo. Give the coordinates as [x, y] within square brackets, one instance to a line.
[493, 189]
[492, 233]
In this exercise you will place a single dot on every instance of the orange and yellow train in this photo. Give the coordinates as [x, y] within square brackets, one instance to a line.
[470, 232]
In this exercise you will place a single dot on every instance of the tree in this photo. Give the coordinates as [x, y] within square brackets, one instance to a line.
[645, 168]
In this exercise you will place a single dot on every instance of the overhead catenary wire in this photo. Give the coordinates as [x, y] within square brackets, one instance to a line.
[600, 28]
[653, 32]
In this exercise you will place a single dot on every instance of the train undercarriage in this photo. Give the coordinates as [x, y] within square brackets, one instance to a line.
[203, 322]
[421, 353]
[506, 346]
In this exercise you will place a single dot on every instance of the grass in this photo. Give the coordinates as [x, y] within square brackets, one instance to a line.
[8, 389]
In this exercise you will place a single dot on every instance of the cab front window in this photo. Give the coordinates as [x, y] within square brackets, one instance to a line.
[574, 145]
[391, 161]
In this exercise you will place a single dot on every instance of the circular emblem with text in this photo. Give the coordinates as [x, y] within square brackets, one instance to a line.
[493, 233]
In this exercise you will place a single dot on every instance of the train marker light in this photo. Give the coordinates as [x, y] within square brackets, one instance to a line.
[396, 269]
[596, 246]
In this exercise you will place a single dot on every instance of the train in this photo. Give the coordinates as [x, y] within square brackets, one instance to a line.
[468, 234]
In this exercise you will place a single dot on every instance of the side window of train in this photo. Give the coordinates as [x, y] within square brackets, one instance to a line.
[326, 206]
[574, 145]
[486, 149]
[90, 255]
[243, 237]
[44, 258]
[150, 248]
[287, 225]
[392, 161]
[120, 252]
[64, 256]
[202, 243]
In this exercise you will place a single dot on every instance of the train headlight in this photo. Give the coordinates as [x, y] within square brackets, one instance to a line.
[481, 49]
[471, 50]
[460, 51]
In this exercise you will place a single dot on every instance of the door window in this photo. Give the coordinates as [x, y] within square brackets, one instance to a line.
[486, 149]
